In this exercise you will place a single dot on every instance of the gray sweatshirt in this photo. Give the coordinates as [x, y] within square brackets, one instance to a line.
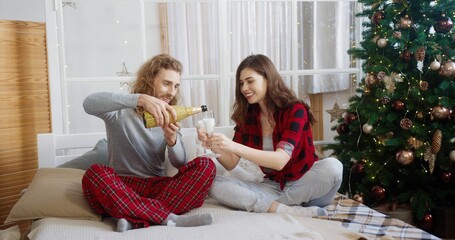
[133, 149]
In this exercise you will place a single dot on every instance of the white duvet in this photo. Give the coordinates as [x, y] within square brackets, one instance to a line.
[228, 224]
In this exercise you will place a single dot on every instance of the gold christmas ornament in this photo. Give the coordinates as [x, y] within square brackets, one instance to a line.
[370, 79]
[405, 157]
[405, 22]
[423, 85]
[447, 69]
[452, 155]
[440, 112]
[436, 142]
[382, 42]
[375, 38]
[420, 115]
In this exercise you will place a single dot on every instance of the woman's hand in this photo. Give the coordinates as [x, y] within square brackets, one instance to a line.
[219, 142]
[170, 133]
[158, 108]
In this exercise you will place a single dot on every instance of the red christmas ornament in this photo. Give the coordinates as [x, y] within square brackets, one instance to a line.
[398, 105]
[342, 128]
[406, 55]
[377, 17]
[443, 25]
[358, 168]
[427, 222]
[350, 117]
[378, 193]
[446, 177]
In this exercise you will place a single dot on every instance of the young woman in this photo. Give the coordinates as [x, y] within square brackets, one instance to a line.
[134, 188]
[273, 130]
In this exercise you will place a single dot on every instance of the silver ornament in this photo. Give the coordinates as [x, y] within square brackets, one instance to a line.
[367, 128]
[452, 155]
[435, 65]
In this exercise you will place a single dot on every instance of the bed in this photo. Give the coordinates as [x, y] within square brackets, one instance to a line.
[54, 202]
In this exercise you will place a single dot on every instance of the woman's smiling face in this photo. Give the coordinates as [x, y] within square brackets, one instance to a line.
[253, 86]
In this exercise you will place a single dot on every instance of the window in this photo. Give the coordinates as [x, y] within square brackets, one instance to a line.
[102, 43]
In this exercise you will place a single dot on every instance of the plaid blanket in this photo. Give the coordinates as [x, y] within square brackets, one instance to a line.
[360, 218]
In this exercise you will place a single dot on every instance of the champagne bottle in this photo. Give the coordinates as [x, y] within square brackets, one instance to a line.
[182, 113]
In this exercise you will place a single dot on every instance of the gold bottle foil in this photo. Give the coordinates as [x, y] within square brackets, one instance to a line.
[182, 113]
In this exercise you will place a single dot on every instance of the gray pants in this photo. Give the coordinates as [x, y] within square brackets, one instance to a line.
[317, 187]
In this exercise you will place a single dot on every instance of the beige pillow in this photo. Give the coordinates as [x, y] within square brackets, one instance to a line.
[12, 233]
[53, 192]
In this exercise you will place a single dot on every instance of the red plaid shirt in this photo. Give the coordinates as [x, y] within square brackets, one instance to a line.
[292, 128]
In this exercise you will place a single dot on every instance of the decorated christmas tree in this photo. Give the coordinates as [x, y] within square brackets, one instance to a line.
[397, 137]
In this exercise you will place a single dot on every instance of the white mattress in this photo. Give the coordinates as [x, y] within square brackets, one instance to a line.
[229, 224]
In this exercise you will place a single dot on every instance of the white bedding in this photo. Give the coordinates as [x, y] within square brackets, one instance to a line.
[229, 224]
[347, 219]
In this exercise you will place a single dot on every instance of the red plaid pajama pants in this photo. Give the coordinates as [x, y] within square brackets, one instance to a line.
[146, 201]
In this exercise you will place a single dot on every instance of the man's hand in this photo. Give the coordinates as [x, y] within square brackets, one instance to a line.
[170, 133]
[158, 109]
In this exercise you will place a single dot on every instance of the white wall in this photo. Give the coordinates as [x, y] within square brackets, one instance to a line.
[25, 10]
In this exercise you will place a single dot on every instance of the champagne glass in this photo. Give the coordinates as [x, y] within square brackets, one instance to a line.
[199, 123]
[207, 122]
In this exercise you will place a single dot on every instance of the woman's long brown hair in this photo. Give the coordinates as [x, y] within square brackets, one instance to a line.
[278, 95]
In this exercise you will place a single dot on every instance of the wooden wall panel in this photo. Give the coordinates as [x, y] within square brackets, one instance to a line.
[25, 107]
[317, 109]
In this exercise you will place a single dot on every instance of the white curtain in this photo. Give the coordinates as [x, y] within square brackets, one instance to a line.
[255, 27]
[193, 39]
[329, 23]
[195, 31]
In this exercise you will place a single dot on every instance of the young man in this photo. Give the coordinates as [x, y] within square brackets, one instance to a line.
[134, 188]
